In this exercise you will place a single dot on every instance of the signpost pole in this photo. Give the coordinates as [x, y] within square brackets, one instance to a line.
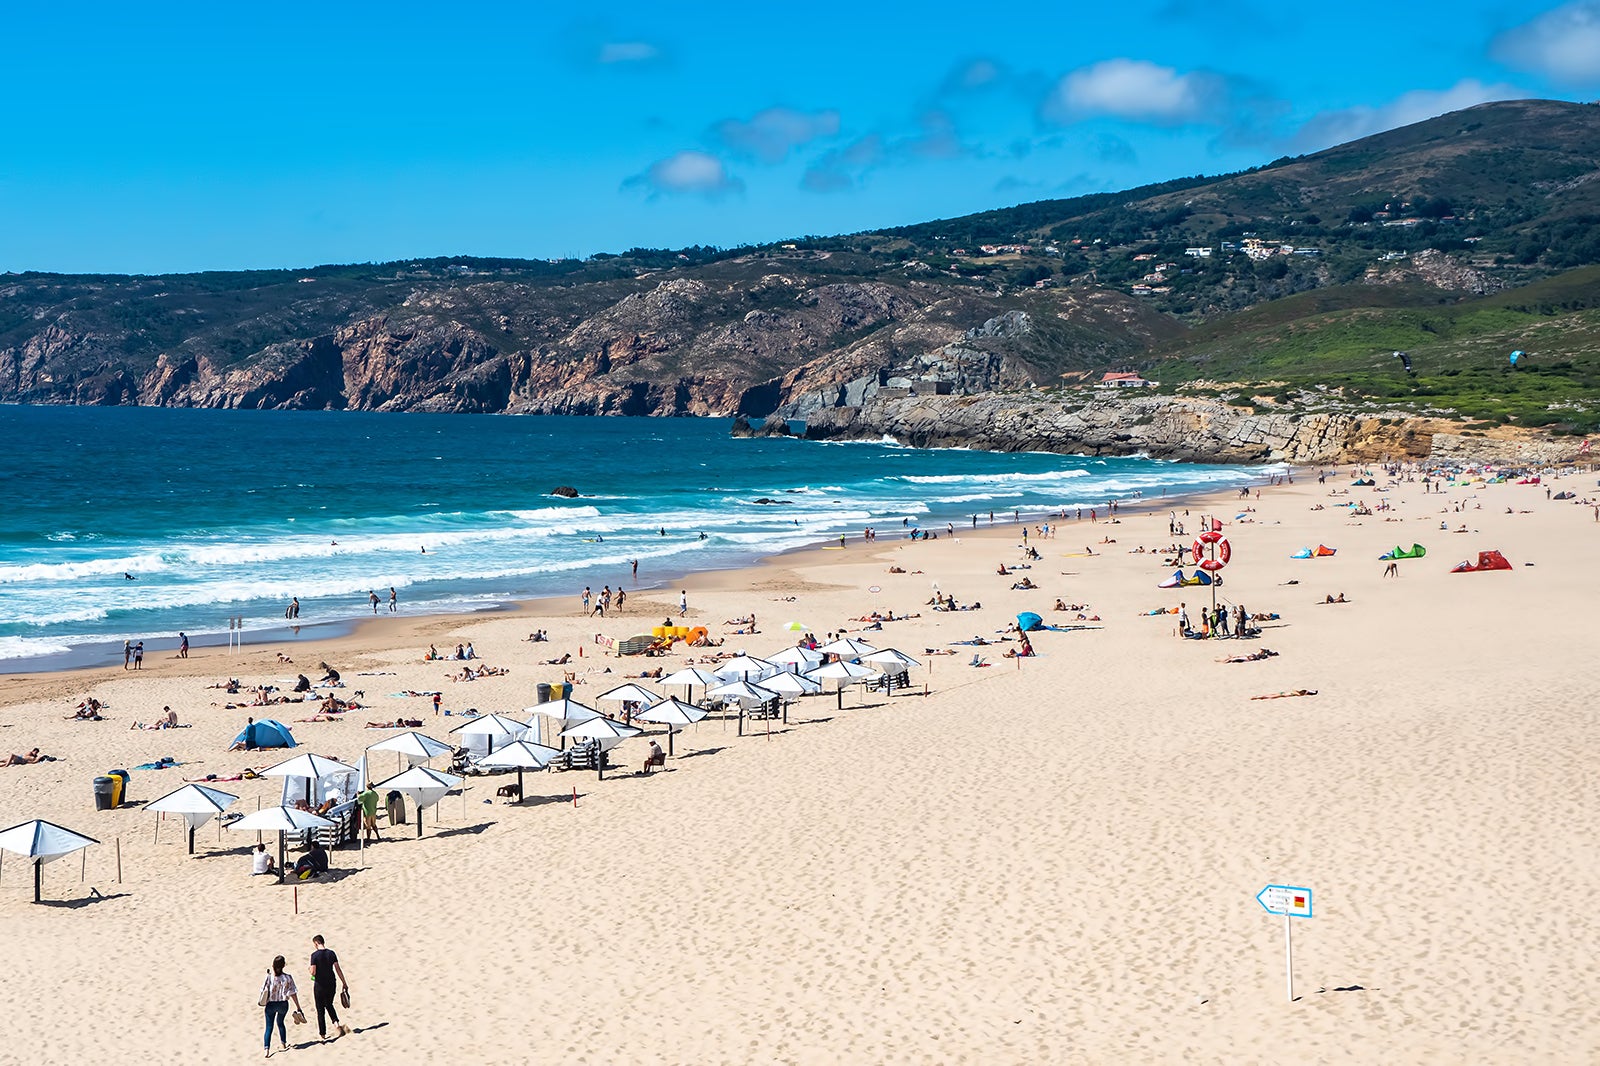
[1288, 954]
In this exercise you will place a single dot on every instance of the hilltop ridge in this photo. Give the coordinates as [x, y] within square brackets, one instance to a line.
[1302, 273]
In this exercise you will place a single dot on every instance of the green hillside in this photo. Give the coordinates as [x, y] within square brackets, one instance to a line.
[1343, 339]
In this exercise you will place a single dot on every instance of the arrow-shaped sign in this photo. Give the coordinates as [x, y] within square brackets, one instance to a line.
[1290, 901]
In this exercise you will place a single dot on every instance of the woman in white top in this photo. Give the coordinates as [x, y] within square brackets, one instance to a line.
[276, 992]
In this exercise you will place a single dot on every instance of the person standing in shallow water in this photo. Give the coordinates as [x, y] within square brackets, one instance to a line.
[373, 597]
[393, 597]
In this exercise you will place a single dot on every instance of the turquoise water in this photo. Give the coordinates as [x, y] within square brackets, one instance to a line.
[223, 514]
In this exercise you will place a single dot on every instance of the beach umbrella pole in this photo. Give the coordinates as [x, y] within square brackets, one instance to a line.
[191, 840]
[669, 740]
[38, 868]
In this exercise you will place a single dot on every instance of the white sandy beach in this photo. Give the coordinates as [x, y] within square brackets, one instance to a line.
[1051, 862]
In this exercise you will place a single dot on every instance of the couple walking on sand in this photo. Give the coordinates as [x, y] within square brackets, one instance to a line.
[279, 989]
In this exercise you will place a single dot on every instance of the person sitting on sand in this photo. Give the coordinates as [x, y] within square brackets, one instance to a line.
[282, 658]
[313, 862]
[28, 759]
[86, 714]
[261, 862]
[330, 675]
[1001, 569]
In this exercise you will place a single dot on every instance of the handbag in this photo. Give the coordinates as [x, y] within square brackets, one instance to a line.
[344, 997]
[265, 987]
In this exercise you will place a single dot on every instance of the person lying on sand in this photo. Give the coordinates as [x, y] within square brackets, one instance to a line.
[1330, 599]
[28, 759]
[1257, 656]
[646, 673]
[1286, 695]
[282, 658]
[564, 660]
[398, 723]
[896, 570]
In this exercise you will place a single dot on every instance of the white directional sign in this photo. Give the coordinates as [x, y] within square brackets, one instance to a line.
[1290, 901]
[1287, 900]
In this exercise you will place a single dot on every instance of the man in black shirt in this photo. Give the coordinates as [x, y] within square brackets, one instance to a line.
[324, 969]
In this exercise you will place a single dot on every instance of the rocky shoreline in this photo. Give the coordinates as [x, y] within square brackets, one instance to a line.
[1164, 427]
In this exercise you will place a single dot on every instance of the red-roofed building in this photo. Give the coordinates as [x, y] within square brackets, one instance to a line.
[1124, 381]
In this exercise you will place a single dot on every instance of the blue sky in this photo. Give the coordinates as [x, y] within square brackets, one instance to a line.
[169, 137]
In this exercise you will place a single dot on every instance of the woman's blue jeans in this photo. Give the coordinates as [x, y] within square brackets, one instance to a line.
[277, 1010]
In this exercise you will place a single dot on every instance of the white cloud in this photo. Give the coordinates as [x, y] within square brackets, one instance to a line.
[1136, 89]
[1563, 44]
[772, 134]
[687, 172]
[628, 52]
[1337, 127]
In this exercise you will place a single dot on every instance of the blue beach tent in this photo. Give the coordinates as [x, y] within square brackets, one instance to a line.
[267, 733]
[1027, 621]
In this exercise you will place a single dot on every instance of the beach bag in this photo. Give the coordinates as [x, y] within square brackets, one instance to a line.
[344, 997]
[265, 985]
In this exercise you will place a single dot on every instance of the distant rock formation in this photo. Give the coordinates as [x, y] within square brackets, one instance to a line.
[1164, 427]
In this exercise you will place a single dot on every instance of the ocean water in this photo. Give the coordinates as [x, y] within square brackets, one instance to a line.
[136, 523]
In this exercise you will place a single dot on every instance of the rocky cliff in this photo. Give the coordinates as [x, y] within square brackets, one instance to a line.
[1163, 427]
[739, 335]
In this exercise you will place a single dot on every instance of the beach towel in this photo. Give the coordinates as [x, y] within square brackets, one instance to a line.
[166, 762]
